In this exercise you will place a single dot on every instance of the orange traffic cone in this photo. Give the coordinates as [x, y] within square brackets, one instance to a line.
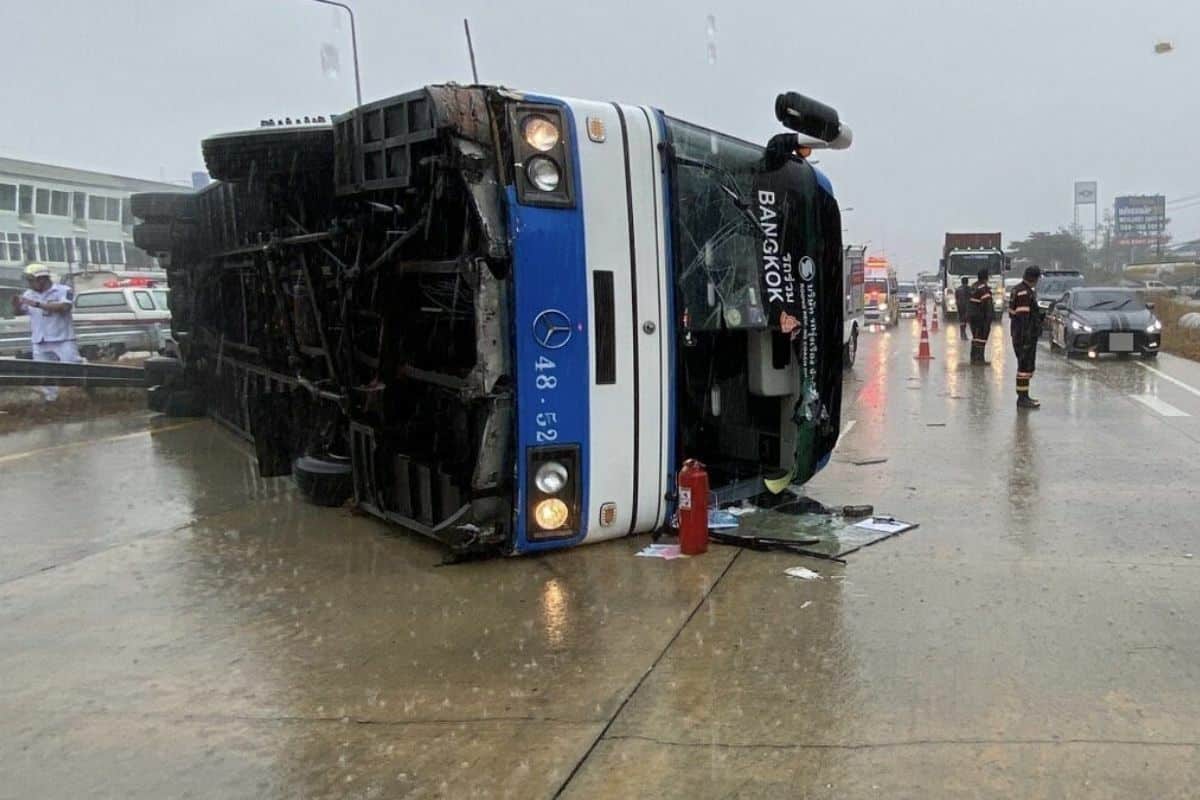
[923, 353]
[933, 315]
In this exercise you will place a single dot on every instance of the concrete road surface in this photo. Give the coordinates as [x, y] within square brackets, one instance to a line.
[173, 626]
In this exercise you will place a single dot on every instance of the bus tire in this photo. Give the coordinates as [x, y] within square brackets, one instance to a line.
[850, 351]
[183, 403]
[323, 481]
[266, 151]
[162, 237]
[162, 206]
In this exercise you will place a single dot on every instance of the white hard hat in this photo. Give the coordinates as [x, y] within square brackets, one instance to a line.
[36, 270]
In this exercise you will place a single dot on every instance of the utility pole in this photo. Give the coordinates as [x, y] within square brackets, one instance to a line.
[353, 45]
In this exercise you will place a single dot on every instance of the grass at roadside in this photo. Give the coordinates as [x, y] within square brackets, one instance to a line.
[1176, 340]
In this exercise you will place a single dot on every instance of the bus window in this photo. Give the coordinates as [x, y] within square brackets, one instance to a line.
[718, 271]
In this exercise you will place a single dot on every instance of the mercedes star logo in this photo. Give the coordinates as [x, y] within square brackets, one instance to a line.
[552, 329]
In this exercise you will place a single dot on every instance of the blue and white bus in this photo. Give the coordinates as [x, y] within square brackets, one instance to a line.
[502, 319]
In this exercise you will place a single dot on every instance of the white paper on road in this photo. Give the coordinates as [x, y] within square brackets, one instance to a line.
[668, 552]
[803, 573]
[885, 525]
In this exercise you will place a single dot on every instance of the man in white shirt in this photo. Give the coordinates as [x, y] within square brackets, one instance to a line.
[51, 327]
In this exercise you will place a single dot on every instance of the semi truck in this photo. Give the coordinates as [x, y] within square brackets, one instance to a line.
[963, 255]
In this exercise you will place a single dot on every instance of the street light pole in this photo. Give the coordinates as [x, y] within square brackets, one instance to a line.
[353, 44]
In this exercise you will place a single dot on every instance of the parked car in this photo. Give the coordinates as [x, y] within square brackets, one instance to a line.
[1156, 288]
[1104, 320]
[109, 321]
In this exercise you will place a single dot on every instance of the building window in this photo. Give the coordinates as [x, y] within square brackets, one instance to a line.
[116, 253]
[28, 248]
[11, 250]
[114, 210]
[81, 250]
[79, 205]
[55, 250]
[8, 197]
[51, 249]
[25, 201]
[97, 250]
[126, 213]
[43, 201]
[59, 202]
[97, 207]
[70, 245]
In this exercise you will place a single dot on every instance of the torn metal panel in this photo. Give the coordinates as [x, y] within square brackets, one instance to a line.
[493, 359]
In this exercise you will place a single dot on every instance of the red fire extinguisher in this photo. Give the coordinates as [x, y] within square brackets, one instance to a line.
[693, 508]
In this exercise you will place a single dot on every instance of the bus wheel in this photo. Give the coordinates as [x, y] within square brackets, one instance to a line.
[323, 481]
[851, 350]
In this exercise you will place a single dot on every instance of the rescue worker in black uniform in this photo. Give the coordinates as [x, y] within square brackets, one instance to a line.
[962, 301]
[980, 316]
[1026, 331]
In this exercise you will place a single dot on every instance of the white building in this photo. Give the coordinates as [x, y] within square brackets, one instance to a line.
[69, 219]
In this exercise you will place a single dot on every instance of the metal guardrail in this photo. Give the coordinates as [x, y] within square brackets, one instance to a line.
[14, 341]
[24, 372]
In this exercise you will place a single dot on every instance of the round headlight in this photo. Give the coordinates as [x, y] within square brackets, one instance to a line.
[550, 478]
[540, 133]
[542, 173]
[550, 514]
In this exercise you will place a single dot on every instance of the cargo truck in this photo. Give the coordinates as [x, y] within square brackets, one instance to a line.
[963, 255]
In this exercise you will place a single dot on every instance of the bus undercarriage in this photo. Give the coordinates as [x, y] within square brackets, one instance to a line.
[342, 305]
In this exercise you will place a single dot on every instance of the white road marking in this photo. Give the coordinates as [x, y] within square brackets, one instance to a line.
[845, 429]
[1161, 407]
[1167, 377]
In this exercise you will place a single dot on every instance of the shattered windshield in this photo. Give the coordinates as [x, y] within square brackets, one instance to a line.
[717, 240]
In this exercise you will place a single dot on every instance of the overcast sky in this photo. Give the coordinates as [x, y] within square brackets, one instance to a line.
[969, 115]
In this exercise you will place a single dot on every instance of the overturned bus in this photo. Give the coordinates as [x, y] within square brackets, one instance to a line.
[502, 319]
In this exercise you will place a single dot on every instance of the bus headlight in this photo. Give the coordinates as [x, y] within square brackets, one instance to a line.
[551, 514]
[540, 133]
[553, 492]
[551, 477]
[543, 173]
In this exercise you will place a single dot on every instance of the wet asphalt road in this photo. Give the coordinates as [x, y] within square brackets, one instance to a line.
[172, 626]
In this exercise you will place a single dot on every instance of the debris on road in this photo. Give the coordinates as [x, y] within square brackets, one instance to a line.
[668, 552]
[722, 520]
[889, 525]
[858, 511]
[803, 573]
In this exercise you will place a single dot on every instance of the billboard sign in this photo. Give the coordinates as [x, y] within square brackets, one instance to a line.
[1086, 193]
[1140, 219]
